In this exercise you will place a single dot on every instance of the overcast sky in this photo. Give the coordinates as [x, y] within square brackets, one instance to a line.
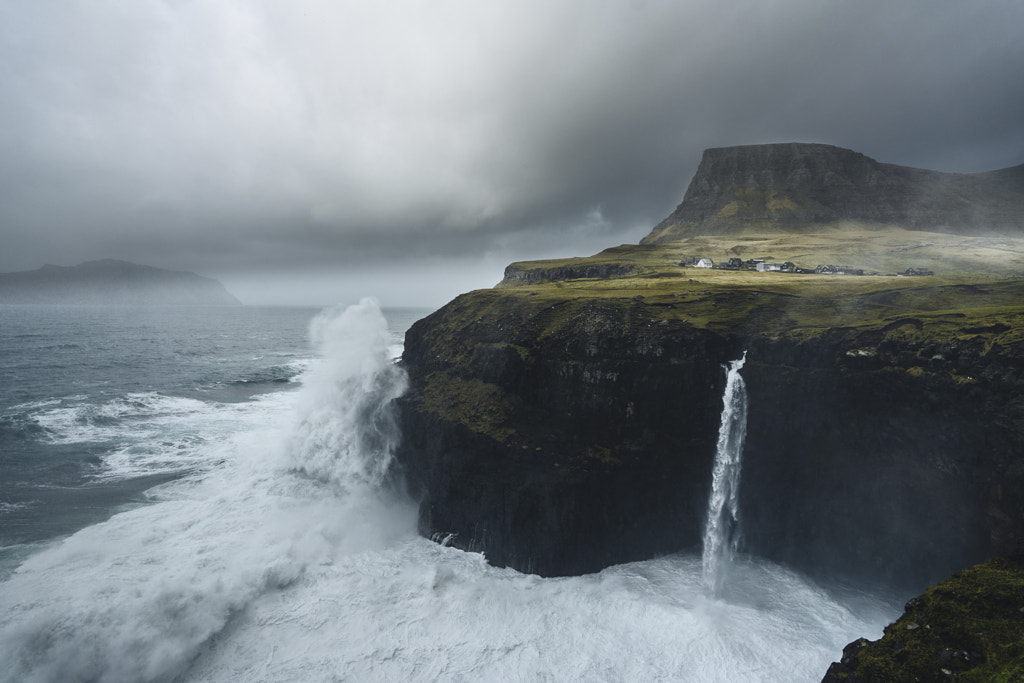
[314, 151]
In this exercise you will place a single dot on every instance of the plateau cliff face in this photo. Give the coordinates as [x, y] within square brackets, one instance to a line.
[111, 282]
[802, 187]
[559, 439]
[559, 435]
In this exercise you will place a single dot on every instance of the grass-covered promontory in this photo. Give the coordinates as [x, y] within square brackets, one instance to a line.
[977, 289]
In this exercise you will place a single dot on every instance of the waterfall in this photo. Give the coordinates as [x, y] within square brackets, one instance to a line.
[721, 531]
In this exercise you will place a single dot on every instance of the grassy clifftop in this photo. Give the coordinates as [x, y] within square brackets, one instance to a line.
[976, 290]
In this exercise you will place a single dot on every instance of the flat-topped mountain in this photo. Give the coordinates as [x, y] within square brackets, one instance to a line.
[114, 283]
[798, 187]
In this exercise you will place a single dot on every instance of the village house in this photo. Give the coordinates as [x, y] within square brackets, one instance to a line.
[704, 263]
[734, 264]
[838, 270]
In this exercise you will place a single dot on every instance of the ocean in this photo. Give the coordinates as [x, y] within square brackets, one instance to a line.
[202, 494]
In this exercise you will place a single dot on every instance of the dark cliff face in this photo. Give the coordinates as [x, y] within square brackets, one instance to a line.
[562, 439]
[517, 275]
[561, 436]
[795, 186]
[869, 466]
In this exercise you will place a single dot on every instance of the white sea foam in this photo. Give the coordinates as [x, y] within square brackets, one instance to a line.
[254, 570]
[76, 420]
[422, 612]
[181, 442]
[6, 507]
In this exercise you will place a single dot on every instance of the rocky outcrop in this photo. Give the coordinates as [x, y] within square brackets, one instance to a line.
[968, 627]
[559, 439]
[562, 435]
[111, 282]
[519, 274]
[803, 187]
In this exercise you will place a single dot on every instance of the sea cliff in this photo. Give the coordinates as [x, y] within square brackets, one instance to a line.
[566, 419]
[560, 433]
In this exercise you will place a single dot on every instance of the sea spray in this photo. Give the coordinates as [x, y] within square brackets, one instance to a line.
[721, 531]
[346, 431]
[142, 595]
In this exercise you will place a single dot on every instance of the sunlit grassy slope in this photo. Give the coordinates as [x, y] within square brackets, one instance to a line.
[977, 287]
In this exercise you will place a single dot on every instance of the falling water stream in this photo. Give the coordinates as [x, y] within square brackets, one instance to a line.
[721, 531]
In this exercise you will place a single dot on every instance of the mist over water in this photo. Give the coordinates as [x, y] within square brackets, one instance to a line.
[283, 554]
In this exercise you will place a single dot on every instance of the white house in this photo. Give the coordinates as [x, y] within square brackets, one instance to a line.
[704, 263]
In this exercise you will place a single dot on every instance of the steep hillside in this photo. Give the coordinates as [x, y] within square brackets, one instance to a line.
[797, 187]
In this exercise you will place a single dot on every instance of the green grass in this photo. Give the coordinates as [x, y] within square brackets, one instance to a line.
[883, 250]
[977, 284]
[507, 326]
[975, 616]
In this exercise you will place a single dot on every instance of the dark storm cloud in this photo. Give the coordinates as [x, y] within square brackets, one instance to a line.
[230, 136]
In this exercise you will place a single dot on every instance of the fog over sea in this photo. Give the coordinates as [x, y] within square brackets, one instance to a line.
[200, 494]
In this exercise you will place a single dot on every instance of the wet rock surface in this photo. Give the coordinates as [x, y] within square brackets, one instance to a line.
[562, 436]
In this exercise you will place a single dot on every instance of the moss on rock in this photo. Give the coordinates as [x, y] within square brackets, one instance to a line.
[968, 628]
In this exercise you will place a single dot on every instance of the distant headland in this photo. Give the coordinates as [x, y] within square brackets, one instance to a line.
[112, 282]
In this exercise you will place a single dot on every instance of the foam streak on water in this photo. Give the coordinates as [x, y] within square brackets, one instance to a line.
[721, 530]
[287, 559]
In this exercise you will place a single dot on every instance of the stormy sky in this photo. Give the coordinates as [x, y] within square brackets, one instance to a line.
[315, 151]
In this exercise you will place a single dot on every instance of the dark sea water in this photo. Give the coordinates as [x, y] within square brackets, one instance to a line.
[195, 494]
[99, 404]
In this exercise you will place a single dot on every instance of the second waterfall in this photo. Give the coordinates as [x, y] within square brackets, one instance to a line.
[721, 531]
